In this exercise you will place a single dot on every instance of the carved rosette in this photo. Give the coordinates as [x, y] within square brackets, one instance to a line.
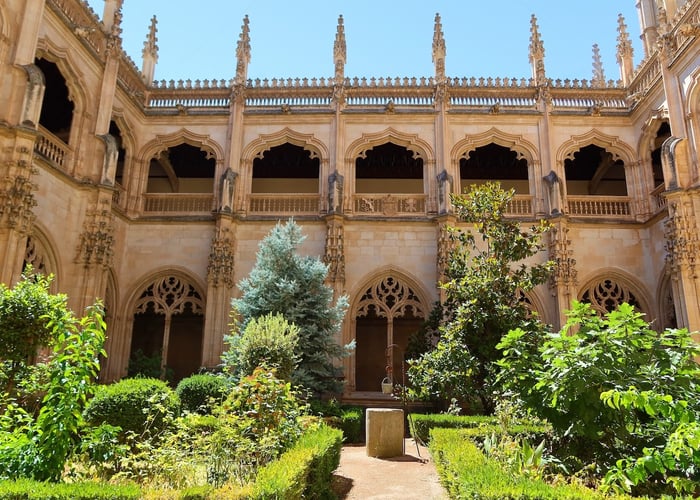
[682, 244]
[445, 247]
[97, 240]
[334, 257]
[221, 262]
[561, 253]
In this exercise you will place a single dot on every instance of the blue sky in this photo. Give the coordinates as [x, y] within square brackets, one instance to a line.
[387, 38]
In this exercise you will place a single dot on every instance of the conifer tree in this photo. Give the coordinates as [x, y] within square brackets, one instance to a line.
[284, 282]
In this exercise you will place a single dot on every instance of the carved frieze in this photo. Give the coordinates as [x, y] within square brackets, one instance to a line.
[682, 244]
[561, 253]
[97, 239]
[17, 194]
[334, 257]
[221, 261]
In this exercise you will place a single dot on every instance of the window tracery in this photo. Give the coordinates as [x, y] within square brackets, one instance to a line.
[390, 298]
[607, 294]
[170, 295]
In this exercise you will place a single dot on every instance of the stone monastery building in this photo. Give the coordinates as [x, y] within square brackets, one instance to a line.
[154, 196]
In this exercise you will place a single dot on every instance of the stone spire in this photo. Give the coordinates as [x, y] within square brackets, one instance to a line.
[110, 19]
[150, 52]
[598, 79]
[439, 49]
[625, 52]
[536, 53]
[243, 53]
[339, 52]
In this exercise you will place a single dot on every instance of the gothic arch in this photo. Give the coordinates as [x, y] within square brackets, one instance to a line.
[536, 304]
[420, 148]
[163, 142]
[40, 252]
[612, 144]
[386, 308]
[257, 147]
[649, 129]
[524, 148]
[666, 317]
[611, 287]
[69, 69]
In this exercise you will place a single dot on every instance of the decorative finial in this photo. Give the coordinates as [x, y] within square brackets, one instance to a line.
[150, 52]
[243, 53]
[625, 52]
[598, 79]
[439, 49]
[340, 51]
[536, 52]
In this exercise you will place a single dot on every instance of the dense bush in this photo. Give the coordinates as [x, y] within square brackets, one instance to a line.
[198, 392]
[467, 473]
[129, 402]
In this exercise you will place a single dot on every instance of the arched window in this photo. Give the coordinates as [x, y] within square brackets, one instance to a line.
[388, 312]
[167, 329]
[389, 168]
[181, 169]
[56, 108]
[494, 162]
[286, 169]
[594, 171]
[606, 294]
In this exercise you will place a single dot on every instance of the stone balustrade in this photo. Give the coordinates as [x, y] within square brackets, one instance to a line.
[52, 149]
[658, 200]
[178, 203]
[284, 204]
[520, 205]
[389, 204]
[600, 206]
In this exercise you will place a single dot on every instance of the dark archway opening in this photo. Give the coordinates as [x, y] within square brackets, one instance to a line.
[56, 108]
[494, 162]
[286, 168]
[389, 168]
[182, 169]
[594, 171]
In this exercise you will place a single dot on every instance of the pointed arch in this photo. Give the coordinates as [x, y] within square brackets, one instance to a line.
[608, 287]
[70, 70]
[183, 136]
[419, 147]
[264, 142]
[619, 149]
[41, 253]
[524, 148]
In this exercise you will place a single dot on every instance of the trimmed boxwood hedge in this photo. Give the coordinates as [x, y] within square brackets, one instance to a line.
[466, 472]
[34, 490]
[422, 423]
[122, 403]
[196, 392]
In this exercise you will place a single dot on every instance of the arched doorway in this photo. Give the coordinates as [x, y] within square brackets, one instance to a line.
[387, 314]
[168, 326]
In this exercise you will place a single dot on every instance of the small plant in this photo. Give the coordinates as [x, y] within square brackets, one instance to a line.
[200, 393]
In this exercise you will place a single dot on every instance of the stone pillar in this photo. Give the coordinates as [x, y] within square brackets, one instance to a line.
[334, 256]
[384, 432]
[563, 281]
[220, 273]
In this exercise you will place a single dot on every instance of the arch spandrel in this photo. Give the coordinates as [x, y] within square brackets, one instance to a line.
[522, 147]
[420, 148]
[187, 286]
[619, 149]
[183, 136]
[264, 142]
[391, 293]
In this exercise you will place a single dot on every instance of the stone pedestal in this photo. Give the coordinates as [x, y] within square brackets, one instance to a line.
[384, 432]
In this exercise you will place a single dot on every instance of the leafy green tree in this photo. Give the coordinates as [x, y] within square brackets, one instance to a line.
[284, 282]
[25, 312]
[485, 275]
[612, 388]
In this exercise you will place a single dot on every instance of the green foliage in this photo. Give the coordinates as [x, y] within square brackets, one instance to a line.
[25, 312]
[37, 490]
[128, 403]
[580, 380]
[467, 473]
[144, 366]
[485, 275]
[673, 460]
[292, 285]
[38, 449]
[305, 471]
[423, 423]
[267, 340]
[199, 393]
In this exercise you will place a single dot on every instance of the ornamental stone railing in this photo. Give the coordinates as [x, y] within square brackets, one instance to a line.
[53, 149]
[178, 203]
[618, 207]
[284, 204]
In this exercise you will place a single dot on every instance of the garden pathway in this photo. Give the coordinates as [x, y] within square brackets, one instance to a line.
[412, 476]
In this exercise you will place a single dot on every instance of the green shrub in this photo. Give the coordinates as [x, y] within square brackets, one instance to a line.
[422, 423]
[467, 473]
[129, 402]
[35, 490]
[305, 470]
[351, 424]
[197, 392]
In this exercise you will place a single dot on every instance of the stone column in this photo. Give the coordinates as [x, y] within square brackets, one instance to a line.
[334, 256]
[563, 281]
[220, 284]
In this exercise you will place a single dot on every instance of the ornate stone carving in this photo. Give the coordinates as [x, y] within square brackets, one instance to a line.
[681, 233]
[561, 253]
[390, 298]
[605, 295]
[334, 257]
[16, 195]
[221, 261]
[445, 247]
[339, 52]
[97, 240]
[34, 255]
[170, 295]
